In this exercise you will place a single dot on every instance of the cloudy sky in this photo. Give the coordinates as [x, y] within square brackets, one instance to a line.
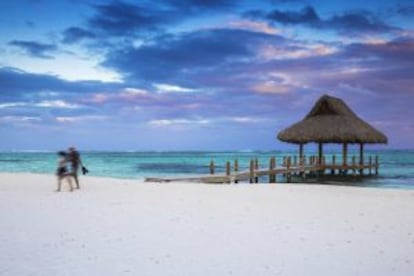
[195, 74]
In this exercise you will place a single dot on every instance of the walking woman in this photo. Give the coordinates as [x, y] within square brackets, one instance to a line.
[62, 171]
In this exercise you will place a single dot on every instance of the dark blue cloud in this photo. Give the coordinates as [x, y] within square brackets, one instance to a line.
[306, 15]
[17, 84]
[351, 22]
[121, 18]
[75, 34]
[358, 22]
[170, 56]
[405, 10]
[35, 49]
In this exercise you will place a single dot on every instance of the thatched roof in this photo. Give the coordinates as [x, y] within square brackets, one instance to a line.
[331, 121]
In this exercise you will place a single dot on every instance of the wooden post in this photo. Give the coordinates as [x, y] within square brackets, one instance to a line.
[345, 154]
[302, 165]
[345, 158]
[256, 167]
[353, 165]
[288, 174]
[323, 163]
[333, 164]
[228, 171]
[370, 165]
[361, 158]
[376, 165]
[211, 167]
[311, 163]
[236, 169]
[271, 168]
[300, 150]
[251, 170]
[320, 153]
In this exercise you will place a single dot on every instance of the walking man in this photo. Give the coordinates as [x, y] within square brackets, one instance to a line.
[75, 161]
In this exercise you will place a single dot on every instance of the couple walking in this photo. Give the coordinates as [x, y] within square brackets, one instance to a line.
[70, 159]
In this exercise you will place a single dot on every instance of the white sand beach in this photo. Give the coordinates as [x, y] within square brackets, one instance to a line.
[127, 227]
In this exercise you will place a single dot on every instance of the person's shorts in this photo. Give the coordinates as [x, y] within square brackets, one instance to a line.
[61, 171]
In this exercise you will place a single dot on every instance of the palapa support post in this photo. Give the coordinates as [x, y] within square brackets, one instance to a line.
[295, 163]
[376, 165]
[236, 169]
[288, 173]
[361, 158]
[211, 166]
[251, 170]
[323, 163]
[353, 165]
[301, 165]
[228, 171]
[271, 170]
[256, 168]
[320, 153]
[333, 164]
[310, 164]
[370, 165]
[345, 158]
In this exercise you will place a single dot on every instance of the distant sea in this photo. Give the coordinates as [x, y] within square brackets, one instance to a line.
[396, 166]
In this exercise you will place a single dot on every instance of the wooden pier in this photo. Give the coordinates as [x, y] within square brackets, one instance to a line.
[301, 168]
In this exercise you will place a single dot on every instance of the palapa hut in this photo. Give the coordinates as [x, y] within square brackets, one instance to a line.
[332, 121]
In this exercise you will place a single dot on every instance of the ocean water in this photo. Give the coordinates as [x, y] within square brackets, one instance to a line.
[396, 166]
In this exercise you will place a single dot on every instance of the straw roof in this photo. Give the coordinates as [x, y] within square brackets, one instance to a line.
[331, 121]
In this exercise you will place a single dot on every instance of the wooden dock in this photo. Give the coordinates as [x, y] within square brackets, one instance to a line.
[291, 167]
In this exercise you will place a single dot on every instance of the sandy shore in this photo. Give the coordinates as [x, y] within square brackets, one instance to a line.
[126, 227]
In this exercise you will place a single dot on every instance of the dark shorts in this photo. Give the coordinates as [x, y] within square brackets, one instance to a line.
[61, 171]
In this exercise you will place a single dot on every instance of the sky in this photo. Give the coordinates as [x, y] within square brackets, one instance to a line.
[196, 74]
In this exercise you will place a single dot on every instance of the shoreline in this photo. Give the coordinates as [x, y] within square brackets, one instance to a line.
[141, 180]
[128, 227]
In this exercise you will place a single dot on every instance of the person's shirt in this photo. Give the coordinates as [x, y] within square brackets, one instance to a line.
[62, 162]
[74, 158]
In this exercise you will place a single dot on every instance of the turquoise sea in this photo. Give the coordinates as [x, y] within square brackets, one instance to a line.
[396, 166]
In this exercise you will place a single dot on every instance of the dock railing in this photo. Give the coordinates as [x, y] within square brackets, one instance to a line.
[289, 168]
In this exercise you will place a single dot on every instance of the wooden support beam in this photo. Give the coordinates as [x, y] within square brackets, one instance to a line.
[345, 157]
[271, 170]
[212, 167]
[353, 165]
[274, 167]
[288, 173]
[300, 151]
[376, 165]
[361, 158]
[345, 154]
[256, 167]
[334, 164]
[370, 165]
[228, 168]
[236, 169]
[251, 171]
